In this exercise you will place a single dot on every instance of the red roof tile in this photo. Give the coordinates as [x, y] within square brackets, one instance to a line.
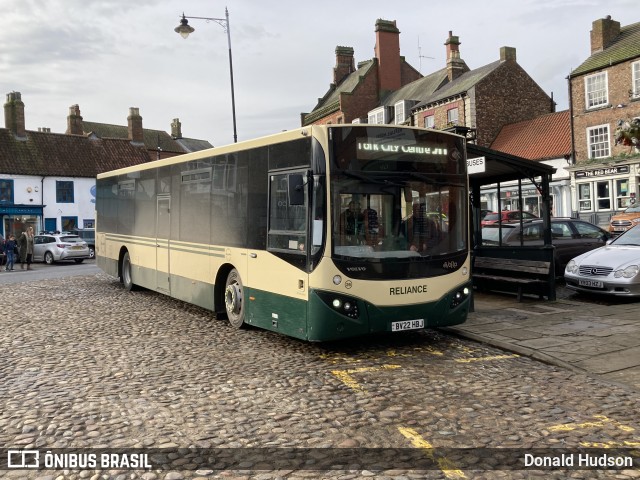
[542, 138]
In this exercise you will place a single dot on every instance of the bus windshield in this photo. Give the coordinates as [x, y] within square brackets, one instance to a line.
[398, 194]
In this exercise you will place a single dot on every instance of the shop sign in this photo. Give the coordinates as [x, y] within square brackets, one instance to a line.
[601, 172]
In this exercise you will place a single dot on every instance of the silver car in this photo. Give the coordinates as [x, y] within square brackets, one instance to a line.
[613, 269]
[52, 248]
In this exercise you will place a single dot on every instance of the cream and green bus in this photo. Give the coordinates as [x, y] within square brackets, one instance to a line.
[320, 233]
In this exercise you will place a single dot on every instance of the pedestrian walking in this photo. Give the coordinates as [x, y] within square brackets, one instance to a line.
[11, 249]
[2, 255]
[26, 248]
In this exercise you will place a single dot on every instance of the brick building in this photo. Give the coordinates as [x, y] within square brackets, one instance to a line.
[388, 90]
[356, 91]
[605, 94]
[482, 100]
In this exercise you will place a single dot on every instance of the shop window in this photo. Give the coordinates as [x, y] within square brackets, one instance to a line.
[603, 194]
[598, 138]
[622, 193]
[584, 197]
[596, 90]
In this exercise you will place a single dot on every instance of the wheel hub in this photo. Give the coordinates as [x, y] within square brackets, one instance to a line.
[233, 298]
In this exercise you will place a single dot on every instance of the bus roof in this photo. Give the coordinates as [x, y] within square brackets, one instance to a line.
[245, 145]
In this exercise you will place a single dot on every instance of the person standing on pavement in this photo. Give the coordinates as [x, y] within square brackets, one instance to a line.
[10, 248]
[26, 248]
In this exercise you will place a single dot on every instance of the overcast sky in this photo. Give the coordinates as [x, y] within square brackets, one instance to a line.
[109, 55]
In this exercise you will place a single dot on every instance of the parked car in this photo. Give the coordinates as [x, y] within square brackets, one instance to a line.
[622, 222]
[570, 237]
[52, 248]
[611, 270]
[507, 217]
[89, 236]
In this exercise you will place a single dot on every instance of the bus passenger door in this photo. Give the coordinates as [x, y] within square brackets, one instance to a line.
[163, 228]
[277, 277]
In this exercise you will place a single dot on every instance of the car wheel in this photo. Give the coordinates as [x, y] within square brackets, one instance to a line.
[79, 260]
[92, 252]
[233, 299]
[48, 258]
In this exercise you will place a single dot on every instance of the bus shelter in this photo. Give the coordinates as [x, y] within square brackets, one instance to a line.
[524, 268]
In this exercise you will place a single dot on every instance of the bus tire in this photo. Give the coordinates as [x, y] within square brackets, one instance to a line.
[126, 278]
[233, 299]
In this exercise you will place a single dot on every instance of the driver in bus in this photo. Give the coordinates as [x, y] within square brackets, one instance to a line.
[351, 219]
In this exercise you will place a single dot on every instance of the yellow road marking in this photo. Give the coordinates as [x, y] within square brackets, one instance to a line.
[348, 380]
[611, 444]
[567, 427]
[447, 466]
[484, 359]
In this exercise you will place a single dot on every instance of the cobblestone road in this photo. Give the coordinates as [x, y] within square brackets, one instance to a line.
[85, 364]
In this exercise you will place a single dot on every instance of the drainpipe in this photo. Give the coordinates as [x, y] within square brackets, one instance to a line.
[574, 213]
[42, 203]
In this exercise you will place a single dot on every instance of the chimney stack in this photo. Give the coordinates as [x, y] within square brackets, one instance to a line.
[135, 125]
[507, 53]
[387, 52]
[176, 128]
[74, 121]
[455, 65]
[345, 64]
[603, 32]
[14, 115]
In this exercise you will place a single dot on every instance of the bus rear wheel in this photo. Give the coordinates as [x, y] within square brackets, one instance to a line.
[233, 299]
[126, 279]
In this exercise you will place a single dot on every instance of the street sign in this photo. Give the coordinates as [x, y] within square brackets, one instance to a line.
[475, 165]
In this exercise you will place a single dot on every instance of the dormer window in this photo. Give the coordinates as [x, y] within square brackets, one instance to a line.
[402, 111]
[379, 116]
[596, 90]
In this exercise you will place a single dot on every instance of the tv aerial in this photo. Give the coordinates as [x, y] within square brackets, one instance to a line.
[420, 56]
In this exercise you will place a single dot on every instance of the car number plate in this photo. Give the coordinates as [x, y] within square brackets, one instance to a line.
[407, 325]
[619, 229]
[76, 248]
[591, 283]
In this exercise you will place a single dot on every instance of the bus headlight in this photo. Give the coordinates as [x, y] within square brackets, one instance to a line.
[460, 296]
[342, 304]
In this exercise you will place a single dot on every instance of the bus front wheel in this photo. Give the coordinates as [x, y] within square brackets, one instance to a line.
[233, 299]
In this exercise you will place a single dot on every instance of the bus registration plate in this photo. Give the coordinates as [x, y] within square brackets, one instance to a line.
[407, 325]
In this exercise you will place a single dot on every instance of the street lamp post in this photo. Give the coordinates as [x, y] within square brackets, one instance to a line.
[184, 29]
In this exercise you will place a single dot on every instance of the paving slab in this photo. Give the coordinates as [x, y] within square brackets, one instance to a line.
[596, 336]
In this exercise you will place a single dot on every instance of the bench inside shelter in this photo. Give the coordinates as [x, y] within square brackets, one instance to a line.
[519, 270]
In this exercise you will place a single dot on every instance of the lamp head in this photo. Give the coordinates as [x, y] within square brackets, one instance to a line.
[184, 29]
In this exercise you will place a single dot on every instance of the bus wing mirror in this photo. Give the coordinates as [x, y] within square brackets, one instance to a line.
[296, 189]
